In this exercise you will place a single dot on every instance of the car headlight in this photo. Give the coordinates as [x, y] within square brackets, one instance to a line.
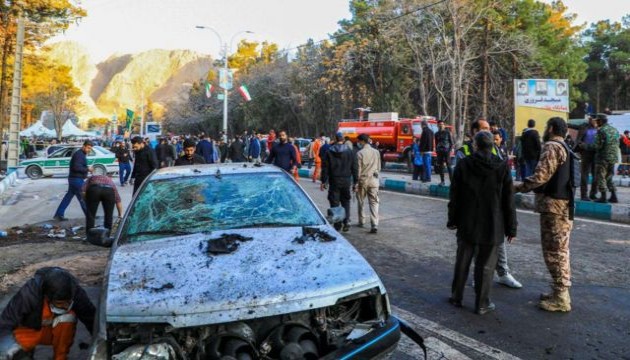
[160, 351]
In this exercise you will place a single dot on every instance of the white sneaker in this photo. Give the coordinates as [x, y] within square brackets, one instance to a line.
[509, 281]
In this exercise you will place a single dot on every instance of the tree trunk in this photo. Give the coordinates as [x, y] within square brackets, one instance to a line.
[485, 75]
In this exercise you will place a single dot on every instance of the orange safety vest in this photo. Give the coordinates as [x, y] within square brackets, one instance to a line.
[316, 146]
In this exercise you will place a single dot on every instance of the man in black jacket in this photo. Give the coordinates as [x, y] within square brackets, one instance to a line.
[45, 312]
[189, 157]
[78, 172]
[124, 162]
[339, 173]
[426, 148]
[444, 145]
[531, 146]
[482, 184]
[237, 151]
[144, 164]
[165, 153]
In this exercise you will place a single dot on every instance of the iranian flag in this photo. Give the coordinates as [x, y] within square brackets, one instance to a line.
[245, 93]
[208, 90]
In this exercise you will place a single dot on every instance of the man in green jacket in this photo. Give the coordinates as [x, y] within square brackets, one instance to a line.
[606, 148]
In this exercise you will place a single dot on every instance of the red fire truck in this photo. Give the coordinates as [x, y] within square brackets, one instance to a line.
[394, 135]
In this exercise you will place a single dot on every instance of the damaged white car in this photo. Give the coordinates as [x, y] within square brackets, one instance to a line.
[236, 262]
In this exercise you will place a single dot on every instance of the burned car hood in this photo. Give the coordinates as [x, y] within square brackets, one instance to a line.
[176, 280]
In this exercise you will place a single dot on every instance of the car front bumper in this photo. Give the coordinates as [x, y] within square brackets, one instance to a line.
[376, 344]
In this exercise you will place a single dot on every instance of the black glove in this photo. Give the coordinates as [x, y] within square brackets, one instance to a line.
[8, 347]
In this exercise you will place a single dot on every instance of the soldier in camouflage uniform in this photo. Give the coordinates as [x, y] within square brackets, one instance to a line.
[556, 222]
[606, 155]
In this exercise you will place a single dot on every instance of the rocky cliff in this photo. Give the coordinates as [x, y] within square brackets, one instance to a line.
[123, 81]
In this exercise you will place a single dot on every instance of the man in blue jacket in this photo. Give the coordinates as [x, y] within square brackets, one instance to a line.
[283, 154]
[254, 148]
[205, 148]
[78, 172]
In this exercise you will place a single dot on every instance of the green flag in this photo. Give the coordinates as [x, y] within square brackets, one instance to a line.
[130, 116]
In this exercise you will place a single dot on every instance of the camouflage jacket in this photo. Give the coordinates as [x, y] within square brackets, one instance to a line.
[607, 144]
[553, 155]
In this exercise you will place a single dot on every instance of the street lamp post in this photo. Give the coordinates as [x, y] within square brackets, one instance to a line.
[226, 49]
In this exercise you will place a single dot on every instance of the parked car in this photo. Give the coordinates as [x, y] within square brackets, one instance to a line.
[102, 160]
[209, 264]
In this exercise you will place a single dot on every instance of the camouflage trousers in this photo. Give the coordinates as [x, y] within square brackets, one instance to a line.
[555, 231]
[605, 172]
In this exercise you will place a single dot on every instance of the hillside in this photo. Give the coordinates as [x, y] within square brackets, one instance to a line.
[122, 81]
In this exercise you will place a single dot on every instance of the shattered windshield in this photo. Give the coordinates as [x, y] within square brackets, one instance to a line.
[188, 205]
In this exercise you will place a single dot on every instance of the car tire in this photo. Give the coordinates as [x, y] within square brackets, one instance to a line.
[99, 170]
[34, 172]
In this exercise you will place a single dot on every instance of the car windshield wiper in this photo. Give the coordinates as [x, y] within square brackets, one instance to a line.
[161, 232]
[267, 225]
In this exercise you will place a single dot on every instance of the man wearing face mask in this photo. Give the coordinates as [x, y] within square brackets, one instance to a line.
[45, 312]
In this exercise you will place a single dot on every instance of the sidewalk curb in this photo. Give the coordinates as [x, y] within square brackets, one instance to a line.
[586, 209]
[8, 181]
[592, 210]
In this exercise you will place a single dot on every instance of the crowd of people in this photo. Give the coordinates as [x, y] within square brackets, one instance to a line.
[482, 210]
[481, 204]
[138, 158]
[600, 146]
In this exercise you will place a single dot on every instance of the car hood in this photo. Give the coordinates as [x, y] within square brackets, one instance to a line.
[176, 281]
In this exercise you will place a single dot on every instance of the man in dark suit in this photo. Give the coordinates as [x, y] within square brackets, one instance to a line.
[205, 148]
[145, 162]
[531, 146]
[483, 211]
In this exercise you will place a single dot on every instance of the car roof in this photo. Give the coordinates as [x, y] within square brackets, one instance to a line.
[211, 169]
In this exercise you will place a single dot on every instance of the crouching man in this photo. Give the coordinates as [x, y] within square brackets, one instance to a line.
[44, 312]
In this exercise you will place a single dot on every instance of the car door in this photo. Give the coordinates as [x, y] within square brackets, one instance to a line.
[58, 163]
[91, 157]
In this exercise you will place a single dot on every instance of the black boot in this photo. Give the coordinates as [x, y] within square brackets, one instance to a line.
[602, 199]
[583, 196]
[613, 197]
[593, 195]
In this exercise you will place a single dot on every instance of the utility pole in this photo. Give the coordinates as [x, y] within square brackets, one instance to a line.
[144, 95]
[225, 91]
[16, 100]
[225, 81]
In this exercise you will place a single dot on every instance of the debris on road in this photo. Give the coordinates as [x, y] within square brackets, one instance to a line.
[57, 233]
[226, 244]
[313, 234]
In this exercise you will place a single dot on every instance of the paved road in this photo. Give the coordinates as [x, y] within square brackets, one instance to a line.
[414, 255]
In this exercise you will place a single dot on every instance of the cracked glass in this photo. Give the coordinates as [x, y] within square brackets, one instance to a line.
[183, 205]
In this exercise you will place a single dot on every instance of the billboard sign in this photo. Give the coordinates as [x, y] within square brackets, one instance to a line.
[539, 99]
[153, 129]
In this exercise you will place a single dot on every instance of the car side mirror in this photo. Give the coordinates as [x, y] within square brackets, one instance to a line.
[100, 237]
[336, 214]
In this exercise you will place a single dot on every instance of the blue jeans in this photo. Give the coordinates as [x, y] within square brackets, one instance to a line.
[74, 189]
[530, 166]
[124, 170]
[426, 164]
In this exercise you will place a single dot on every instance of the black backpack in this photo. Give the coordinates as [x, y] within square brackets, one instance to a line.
[575, 165]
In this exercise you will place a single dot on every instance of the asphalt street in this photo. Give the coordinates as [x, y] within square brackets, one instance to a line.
[414, 255]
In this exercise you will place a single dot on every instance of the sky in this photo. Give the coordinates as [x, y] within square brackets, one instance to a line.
[131, 26]
[126, 26]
